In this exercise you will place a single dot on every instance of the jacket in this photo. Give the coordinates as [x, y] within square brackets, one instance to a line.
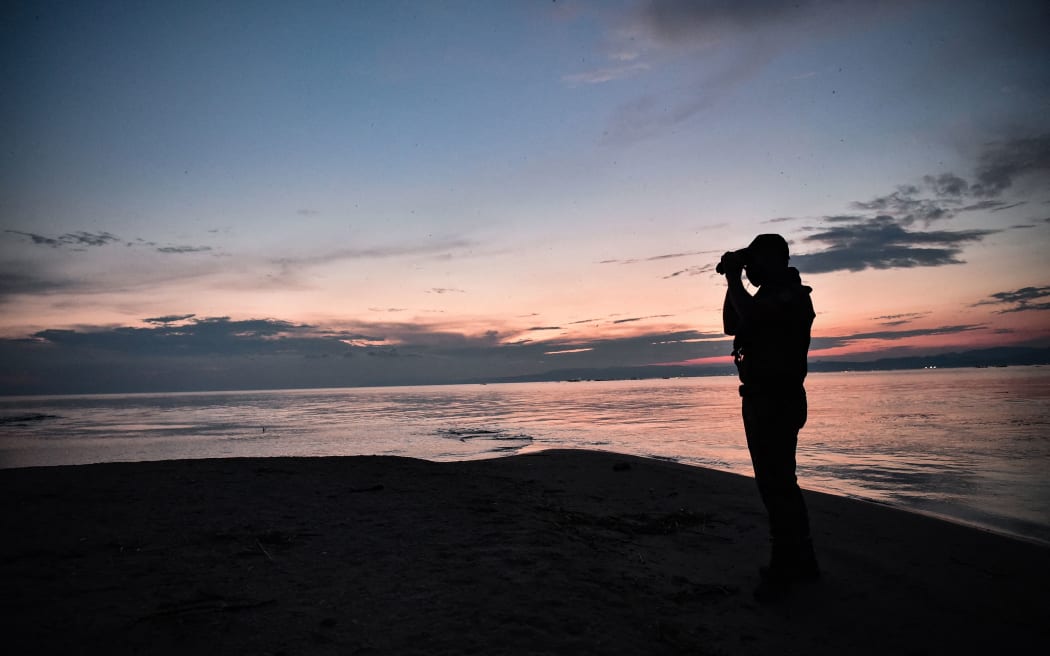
[770, 347]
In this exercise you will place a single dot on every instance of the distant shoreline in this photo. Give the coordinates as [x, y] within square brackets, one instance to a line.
[980, 359]
[983, 359]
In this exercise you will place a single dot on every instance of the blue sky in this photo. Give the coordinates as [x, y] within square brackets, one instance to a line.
[419, 172]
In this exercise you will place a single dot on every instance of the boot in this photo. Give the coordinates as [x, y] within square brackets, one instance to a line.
[791, 563]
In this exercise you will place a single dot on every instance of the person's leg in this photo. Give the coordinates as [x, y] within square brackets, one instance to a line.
[771, 425]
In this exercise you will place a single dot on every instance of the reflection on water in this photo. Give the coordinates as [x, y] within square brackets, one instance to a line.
[970, 444]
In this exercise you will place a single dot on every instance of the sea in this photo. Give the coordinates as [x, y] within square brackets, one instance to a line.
[968, 445]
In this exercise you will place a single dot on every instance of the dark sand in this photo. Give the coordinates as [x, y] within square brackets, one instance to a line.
[561, 552]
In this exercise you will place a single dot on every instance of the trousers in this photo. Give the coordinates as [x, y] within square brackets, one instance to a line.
[772, 420]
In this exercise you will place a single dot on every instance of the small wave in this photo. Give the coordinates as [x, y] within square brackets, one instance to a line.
[657, 456]
[464, 434]
[24, 419]
[513, 448]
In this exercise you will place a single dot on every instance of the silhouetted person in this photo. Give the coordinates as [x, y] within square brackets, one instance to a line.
[771, 339]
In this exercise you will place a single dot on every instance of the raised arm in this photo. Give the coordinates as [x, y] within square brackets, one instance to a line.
[742, 303]
[730, 320]
[742, 309]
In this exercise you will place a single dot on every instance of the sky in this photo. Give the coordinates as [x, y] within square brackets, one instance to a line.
[229, 195]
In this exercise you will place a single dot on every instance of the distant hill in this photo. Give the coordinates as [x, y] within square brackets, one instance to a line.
[1002, 356]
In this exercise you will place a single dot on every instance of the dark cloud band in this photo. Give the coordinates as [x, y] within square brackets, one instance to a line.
[898, 234]
[1020, 300]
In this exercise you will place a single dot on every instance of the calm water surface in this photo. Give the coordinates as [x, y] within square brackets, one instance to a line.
[969, 444]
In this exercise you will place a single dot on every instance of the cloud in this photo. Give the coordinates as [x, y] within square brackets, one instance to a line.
[75, 278]
[899, 319]
[855, 242]
[71, 239]
[89, 238]
[907, 207]
[728, 42]
[1005, 162]
[445, 290]
[991, 205]
[171, 318]
[820, 343]
[688, 271]
[201, 336]
[183, 249]
[168, 354]
[180, 351]
[639, 349]
[656, 258]
[883, 242]
[1020, 300]
[947, 185]
[26, 278]
[374, 253]
[915, 332]
[567, 351]
[652, 316]
[691, 271]
[289, 268]
[80, 240]
[657, 113]
[677, 21]
[37, 239]
[602, 75]
[942, 196]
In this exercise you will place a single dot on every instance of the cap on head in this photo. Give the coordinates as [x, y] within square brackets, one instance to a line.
[770, 245]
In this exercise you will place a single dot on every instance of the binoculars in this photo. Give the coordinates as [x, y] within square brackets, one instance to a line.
[735, 259]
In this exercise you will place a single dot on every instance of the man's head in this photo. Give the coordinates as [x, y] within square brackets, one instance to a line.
[767, 256]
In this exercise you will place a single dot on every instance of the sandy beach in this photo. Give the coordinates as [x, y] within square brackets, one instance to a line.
[558, 552]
